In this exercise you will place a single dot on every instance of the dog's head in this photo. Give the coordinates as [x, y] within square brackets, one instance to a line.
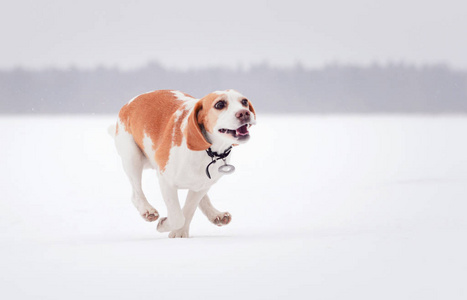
[225, 116]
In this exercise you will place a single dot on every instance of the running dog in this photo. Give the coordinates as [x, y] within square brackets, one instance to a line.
[182, 138]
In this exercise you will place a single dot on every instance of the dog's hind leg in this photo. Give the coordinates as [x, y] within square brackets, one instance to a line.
[216, 217]
[133, 162]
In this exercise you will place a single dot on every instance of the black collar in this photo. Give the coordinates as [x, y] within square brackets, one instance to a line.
[215, 157]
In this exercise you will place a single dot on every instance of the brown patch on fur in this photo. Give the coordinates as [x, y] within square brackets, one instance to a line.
[154, 114]
[178, 134]
[116, 129]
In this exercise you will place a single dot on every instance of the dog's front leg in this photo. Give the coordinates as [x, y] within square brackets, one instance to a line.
[216, 217]
[175, 218]
[191, 203]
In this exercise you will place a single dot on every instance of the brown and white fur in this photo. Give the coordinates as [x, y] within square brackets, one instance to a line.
[169, 131]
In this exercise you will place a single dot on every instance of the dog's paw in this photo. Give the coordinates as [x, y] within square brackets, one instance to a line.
[150, 215]
[162, 225]
[165, 224]
[222, 219]
[180, 233]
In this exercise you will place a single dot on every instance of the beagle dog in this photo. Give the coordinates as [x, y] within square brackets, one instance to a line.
[181, 138]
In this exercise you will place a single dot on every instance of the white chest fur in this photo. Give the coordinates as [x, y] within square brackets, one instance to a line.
[186, 169]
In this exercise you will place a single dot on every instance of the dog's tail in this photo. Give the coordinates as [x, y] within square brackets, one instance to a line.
[112, 130]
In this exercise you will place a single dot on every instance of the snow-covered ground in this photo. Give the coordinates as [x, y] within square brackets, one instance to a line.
[324, 207]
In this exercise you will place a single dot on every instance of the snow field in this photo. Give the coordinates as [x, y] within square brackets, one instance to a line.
[324, 207]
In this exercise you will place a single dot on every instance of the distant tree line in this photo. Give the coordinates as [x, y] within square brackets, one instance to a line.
[395, 88]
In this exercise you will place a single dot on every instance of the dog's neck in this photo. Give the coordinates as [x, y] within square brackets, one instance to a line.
[220, 147]
[217, 145]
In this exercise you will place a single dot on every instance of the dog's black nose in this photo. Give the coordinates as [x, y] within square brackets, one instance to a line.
[243, 114]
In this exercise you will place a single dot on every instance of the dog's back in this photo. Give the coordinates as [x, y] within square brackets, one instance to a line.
[150, 114]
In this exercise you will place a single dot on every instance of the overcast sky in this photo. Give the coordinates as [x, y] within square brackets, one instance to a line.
[187, 34]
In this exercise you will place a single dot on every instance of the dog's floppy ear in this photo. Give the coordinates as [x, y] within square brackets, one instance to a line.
[195, 139]
[250, 107]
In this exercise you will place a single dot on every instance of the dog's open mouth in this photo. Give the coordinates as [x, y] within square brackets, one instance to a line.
[239, 133]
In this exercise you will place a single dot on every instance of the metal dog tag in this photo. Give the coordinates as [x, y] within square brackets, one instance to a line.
[226, 168]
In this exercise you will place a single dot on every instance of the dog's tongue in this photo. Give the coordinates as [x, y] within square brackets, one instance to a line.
[243, 130]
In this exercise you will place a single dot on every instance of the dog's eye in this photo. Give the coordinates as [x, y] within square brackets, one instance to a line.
[220, 105]
[245, 102]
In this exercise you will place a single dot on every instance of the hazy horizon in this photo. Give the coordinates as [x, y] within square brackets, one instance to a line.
[395, 88]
